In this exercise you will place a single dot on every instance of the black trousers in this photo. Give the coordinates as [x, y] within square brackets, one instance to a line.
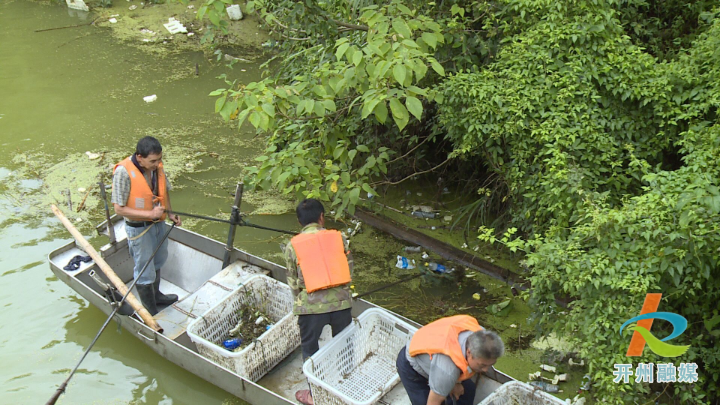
[311, 327]
[418, 387]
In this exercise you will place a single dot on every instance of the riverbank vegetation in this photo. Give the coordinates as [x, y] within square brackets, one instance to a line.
[587, 132]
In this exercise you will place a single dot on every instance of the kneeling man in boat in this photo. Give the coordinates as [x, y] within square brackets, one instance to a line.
[140, 193]
[441, 358]
[319, 265]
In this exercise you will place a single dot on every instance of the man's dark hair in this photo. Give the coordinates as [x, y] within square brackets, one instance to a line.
[148, 146]
[309, 210]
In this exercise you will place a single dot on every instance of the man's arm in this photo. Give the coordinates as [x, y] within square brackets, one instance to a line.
[435, 399]
[348, 254]
[292, 272]
[173, 217]
[125, 211]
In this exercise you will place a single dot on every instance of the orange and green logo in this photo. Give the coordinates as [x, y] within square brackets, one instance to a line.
[641, 330]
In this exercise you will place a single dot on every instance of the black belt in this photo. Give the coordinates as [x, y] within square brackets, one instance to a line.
[138, 224]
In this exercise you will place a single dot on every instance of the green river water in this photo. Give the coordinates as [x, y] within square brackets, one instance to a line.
[67, 92]
[62, 93]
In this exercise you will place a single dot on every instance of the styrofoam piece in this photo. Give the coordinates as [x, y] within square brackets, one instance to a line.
[234, 12]
[77, 5]
[150, 99]
[516, 392]
[174, 26]
[357, 366]
[112, 20]
[253, 362]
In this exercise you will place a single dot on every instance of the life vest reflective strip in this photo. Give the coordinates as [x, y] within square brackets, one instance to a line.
[321, 258]
[441, 336]
[141, 197]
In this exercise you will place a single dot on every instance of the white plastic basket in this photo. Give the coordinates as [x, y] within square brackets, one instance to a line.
[253, 362]
[357, 367]
[516, 392]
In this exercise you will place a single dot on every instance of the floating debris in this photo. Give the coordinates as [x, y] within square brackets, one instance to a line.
[174, 26]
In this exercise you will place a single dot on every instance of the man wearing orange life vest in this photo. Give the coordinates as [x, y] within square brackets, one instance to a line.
[442, 356]
[319, 265]
[140, 194]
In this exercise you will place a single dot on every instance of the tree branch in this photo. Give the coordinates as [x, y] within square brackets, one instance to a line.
[412, 175]
[409, 152]
[348, 25]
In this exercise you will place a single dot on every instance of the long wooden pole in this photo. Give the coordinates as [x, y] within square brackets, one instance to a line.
[109, 273]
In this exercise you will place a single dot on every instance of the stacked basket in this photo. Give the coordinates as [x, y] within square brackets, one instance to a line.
[357, 367]
[273, 298]
[516, 392]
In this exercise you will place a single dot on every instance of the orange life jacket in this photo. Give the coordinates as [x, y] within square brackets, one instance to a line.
[322, 260]
[442, 336]
[141, 197]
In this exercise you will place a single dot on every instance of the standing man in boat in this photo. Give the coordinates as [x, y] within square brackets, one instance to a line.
[140, 194]
[319, 265]
[441, 358]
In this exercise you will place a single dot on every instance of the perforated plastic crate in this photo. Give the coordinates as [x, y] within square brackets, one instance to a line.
[357, 367]
[253, 362]
[516, 392]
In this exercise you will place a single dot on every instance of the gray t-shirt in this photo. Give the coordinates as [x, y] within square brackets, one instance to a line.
[121, 185]
[440, 371]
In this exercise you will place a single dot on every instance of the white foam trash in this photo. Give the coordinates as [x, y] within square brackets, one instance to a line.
[174, 26]
[77, 5]
[150, 99]
[234, 12]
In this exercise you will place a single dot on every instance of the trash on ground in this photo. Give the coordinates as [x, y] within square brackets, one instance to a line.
[436, 267]
[92, 156]
[150, 99]
[234, 12]
[403, 263]
[422, 208]
[133, 7]
[585, 383]
[447, 218]
[77, 5]
[547, 387]
[573, 363]
[112, 20]
[548, 368]
[174, 26]
[422, 214]
[501, 309]
[230, 58]
[425, 255]
[412, 249]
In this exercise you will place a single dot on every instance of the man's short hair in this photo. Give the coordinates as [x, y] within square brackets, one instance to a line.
[148, 146]
[486, 345]
[309, 211]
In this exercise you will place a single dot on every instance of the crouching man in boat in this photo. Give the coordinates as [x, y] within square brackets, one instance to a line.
[441, 358]
[140, 194]
[319, 265]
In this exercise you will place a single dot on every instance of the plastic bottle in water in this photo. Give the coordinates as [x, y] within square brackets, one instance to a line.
[232, 344]
[421, 214]
[545, 386]
[404, 263]
[436, 267]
